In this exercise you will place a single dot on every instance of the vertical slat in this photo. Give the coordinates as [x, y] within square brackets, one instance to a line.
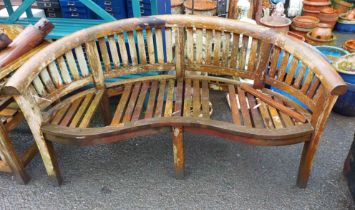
[132, 102]
[257, 120]
[104, 53]
[132, 48]
[274, 61]
[196, 99]
[82, 109]
[265, 114]
[189, 45]
[121, 105]
[95, 63]
[72, 65]
[199, 46]
[205, 99]
[252, 55]
[235, 51]
[91, 110]
[243, 53]
[47, 81]
[187, 98]
[169, 45]
[179, 97]
[82, 61]
[141, 48]
[179, 51]
[150, 44]
[37, 83]
[113, 50]
[64, 70]
[313, 89]
[233, 105]
[263, 62]
[160, 99]
[291, 71]
[123, 50]
[299, 76]
[244, 108]
[209, 42]
[226, 43]
[53, 70]
[307, 82]
[282, 69]
[159, 43]
[217, 48]
[139, 105]
[169, 99]
[151, 101]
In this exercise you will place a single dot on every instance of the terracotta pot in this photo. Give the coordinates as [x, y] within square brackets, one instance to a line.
[201, 7]
[296, 35]
[342, 6]
[305, 21]
[322, 34]
[299, 31]
[329, 16]
[350, 15]
[177, 6]
[276, 22]
[313, 13]
[315, 6]
[349, 45]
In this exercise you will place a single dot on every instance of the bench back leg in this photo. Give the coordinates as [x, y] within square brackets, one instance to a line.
[11, 158]
[178, 150]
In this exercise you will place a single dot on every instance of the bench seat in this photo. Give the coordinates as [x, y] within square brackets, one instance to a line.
[148, 106]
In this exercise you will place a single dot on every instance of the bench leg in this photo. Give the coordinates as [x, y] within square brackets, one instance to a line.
[11, 157]
[305, 167]
[178, 150]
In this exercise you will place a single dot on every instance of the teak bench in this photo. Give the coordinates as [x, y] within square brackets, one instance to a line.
[61, 87]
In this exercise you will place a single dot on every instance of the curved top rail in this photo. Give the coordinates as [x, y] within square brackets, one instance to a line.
[325, 72]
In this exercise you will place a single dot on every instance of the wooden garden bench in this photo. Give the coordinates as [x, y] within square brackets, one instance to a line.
[61, 87]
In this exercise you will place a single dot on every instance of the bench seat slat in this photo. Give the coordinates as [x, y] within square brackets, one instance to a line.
[132, 102]
[82, 109]
[139, 105]
[160, 99]
[179, 98]
[187, 98]
[257, 119]
[92, 109]
[71, 112]
[196, 98]
[151, 102]
[169, 99]
[244, 108]
[233, 105]
[121, 105]
[205, 99]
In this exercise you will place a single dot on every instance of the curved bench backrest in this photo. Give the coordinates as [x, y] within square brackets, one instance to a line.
[213, 45]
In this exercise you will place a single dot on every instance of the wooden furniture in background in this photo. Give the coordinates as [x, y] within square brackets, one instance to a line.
[59, 95]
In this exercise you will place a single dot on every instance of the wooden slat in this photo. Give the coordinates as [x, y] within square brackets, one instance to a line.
[72, 65]
[160, 99]
[7, 112]
[243, 53]
[123, 50]
[252, 55]
[283, 65]
[37, 83]
[121, 105]
[169, 45]
[285, 118]
[179, 52]
[209, 42]
[104, 53]
[132, 48]
[47, 81]
[196, 99]
[275, 117]
[314, 86]
[169, 99]
[151, 102]
[244, 108]
[159, 43]
[150, 44]
[71, 112]
[95, 64]
[187, 98]
[262, 64]
[113, 50]
[132, 102]
[64, 70]
[81, 60]
[291, 71]
[307, 82]
[235, 51]
[217, 48]
[59, 115]
[234, 105]
[189, 45]
[179, 97]
[91, 110]
[225, 47]
[205, 99]
[54, 72]
[274, 61]
[257, 119]
[199, 46]
[82, 109]
[139, 105]
[299, 76]
[265, 114]
[141, 48]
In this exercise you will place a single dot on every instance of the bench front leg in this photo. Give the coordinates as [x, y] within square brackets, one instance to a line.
[178, 150]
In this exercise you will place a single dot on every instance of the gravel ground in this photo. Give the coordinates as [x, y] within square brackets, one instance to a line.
[220, 175]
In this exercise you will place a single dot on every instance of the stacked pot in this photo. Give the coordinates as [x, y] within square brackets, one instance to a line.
[301, 25]
[322, 10]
